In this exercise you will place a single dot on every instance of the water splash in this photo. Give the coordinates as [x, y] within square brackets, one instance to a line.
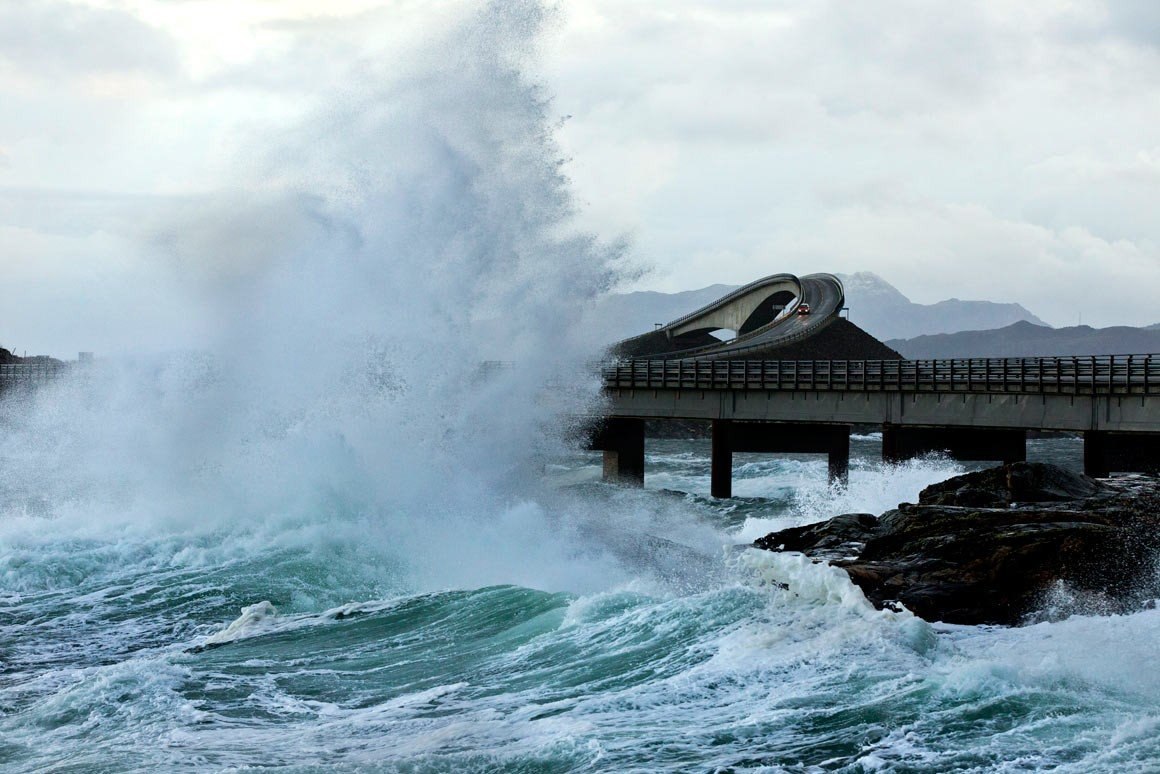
[874, 487]
[408, 232]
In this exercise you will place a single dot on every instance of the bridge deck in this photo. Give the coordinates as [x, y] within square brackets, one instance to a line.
[1108, 375]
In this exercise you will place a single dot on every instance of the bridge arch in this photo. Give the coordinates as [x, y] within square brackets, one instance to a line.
[744, 310]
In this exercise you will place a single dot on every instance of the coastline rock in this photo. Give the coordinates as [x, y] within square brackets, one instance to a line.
[1024, 482]
[989, 547]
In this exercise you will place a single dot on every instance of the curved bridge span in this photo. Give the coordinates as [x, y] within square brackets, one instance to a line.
[765, 315]
[756, 401]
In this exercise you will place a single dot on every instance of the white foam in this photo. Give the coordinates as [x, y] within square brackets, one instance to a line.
[342, 396]
[257, 618]
[874, 487]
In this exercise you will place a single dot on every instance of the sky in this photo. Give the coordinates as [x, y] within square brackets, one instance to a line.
[994, 150]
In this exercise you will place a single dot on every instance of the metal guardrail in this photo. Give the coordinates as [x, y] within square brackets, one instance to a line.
[29, 374]
[1106, 375]
[1100, 375]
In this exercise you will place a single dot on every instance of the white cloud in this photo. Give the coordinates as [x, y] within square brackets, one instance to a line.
[54, 39]
[943, 150]
[935, 148]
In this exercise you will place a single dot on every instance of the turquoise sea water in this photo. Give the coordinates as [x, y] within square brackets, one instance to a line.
[654, 644]
[330, 540]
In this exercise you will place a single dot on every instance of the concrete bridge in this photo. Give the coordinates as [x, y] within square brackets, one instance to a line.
[978, 409]
[17, 375]
[762, 315]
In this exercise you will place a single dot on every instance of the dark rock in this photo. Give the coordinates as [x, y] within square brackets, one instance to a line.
[1019, 482]
[1032, 482]
[985, 548]
[840, 536]
[840, 340]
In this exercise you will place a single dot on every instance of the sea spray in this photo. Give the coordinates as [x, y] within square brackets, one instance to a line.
[349, 511]
[410, 231]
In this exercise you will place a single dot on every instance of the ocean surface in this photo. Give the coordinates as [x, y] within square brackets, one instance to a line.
[655, 641]
[322, 536]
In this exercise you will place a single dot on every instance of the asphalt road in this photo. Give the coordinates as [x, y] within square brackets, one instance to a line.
[824, 294]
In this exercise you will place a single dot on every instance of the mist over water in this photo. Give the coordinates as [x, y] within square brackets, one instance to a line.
[331, 538]
[409, 232]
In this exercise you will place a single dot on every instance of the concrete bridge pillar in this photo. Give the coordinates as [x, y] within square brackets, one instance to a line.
[839, 456]
[622, 441]
[1105, 453]
[1095, 454]
[961, 443]
[777, 437]
[721, 459]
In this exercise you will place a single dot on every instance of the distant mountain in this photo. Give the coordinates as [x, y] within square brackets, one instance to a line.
[875, 305]
[1024, 339]
[621, 315]
[879, 308]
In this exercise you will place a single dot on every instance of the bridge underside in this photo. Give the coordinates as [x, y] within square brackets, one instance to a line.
[1121, 433]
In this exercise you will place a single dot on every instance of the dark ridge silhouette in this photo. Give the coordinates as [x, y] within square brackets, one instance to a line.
[1024, 339]
[840, 340]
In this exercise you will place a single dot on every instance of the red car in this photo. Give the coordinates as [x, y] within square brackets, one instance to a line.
[803, 309]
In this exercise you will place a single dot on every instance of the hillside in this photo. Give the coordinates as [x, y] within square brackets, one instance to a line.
[882, 310]
[875, 305]
[1024, 339]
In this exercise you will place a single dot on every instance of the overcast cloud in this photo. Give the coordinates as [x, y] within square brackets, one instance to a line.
[998, 150]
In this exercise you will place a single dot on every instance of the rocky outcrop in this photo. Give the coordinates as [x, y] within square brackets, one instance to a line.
[8, 358]
[989, 547]
[840, 340]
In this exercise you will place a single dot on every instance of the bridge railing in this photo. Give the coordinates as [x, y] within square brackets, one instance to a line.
[29, 374]
[1100, 375]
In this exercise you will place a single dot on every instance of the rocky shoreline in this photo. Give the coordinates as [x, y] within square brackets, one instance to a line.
[999, 546]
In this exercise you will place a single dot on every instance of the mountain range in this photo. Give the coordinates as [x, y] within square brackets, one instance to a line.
[874, 305]
[882, 310]
[1024, 339]
[950, 328]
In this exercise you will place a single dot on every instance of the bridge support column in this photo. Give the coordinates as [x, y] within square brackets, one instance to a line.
[961, 443]
[839, 456]
[778, 437]
[622, 441]
[1095, 454]
[721, 461]
[1105, 452]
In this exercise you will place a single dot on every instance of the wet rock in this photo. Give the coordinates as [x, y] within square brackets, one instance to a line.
[1019, 482]
[839, 537]
[985, 548]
